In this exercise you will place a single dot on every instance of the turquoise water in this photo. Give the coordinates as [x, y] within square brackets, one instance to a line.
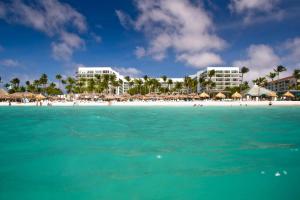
[149, 153]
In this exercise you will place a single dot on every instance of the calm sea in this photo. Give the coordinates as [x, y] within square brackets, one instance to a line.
[235, 153]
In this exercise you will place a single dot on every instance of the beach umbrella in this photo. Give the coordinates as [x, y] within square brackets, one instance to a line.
[220, 96]
[21, 95]
[236, 95]
[40, 97]
[4, 94]
[204, 95]
[288, 94]
[272, 94]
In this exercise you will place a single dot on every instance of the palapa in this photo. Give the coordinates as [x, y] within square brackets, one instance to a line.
[204, 95]
[220, 96]
[289, 95]
[236, 95]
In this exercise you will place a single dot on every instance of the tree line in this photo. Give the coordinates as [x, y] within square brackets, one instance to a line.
[108, 83]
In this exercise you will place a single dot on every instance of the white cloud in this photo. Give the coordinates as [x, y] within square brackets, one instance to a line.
[96, 37]
[200, 60]
[257, 10]
[55, 19]
[140, 52]
[133, 72]
[261, 59]
[241, 6]
[9, 63]
[293, 47]
[124, 19]
[180, 26]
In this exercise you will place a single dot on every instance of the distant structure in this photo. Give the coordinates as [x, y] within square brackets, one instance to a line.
[282, 85]
[92, 72]
[224, 77]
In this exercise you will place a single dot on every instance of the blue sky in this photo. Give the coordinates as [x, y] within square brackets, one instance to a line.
[158, 37]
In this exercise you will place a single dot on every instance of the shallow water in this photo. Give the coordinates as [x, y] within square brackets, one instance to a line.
[149, 153]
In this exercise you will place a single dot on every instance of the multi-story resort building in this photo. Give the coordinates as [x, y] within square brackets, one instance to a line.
[92, 72]
[282, 85]
[224, 77]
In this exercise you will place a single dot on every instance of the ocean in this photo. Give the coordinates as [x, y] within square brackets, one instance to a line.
[235, 153]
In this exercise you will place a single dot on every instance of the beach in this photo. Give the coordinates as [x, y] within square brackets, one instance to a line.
[159, 103]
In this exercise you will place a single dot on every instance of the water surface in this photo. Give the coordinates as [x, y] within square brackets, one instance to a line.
[150, 153]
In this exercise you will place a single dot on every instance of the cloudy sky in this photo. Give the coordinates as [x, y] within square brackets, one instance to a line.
[138, 37]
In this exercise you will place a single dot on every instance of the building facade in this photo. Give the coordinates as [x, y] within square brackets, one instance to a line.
[282, 85]
[92, 72]
[224, 77]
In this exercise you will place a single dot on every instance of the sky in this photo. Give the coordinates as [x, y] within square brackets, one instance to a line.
[142, 37]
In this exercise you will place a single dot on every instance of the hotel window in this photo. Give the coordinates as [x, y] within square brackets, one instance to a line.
[90, 72]
[105, 72]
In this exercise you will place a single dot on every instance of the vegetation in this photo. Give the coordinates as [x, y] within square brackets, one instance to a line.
[279, 69]
[40, 85]
[107, 84]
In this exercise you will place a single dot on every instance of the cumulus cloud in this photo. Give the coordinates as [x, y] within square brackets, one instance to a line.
[9, 63]
[202, 59]
[57, 20]
[140, 52]
[257, 10]
[131, 71]
[179, 26]
[261, 59]
[293, 48]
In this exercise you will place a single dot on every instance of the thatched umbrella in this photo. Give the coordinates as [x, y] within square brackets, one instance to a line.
[4, 94]
[220, 96]
[40, 97]
[204, 95]
[288, 94]
[236, 95]
[21, 95]
[272, 94]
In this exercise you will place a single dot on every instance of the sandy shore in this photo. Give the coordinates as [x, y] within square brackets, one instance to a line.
[164, 103]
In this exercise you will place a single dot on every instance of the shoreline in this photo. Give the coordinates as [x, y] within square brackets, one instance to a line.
[160, 103]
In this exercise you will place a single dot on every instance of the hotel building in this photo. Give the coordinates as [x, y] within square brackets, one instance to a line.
[224, 77]
[91, 72]
[282, 85]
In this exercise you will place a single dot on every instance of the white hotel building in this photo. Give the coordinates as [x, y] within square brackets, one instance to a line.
[224, 77]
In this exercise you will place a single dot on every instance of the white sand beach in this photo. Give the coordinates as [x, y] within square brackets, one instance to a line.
[159, 103]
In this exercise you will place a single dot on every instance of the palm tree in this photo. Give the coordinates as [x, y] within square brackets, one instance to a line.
[15, 82]
[139, 84]
[272, 75]
[146, 82]
[296, 74]
[244, 70]
[170, 82]
[209, 84]
[164, 78]
[70, 84]
[58, 77]
[261, 81]
[211, 73]
[178, 86]
[279, 69]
